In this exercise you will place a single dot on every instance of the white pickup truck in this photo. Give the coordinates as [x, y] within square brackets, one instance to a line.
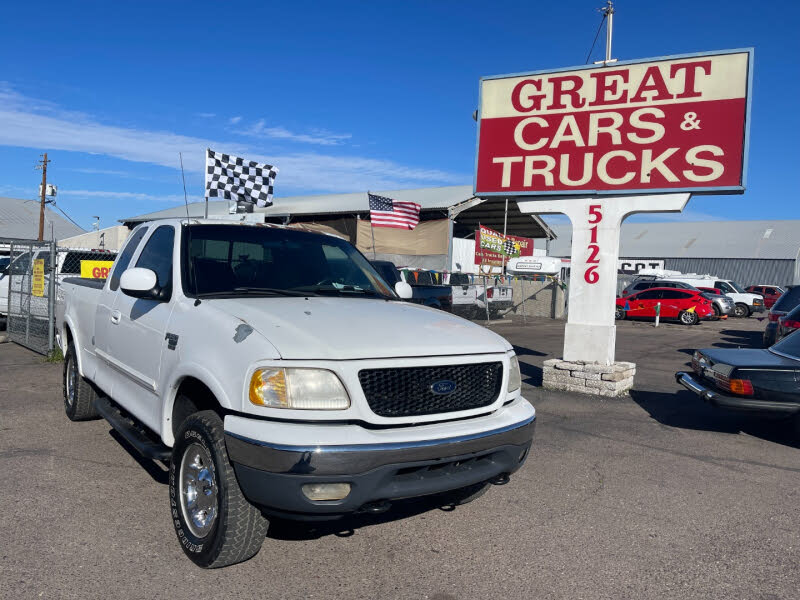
[470, 299]
[278, 374]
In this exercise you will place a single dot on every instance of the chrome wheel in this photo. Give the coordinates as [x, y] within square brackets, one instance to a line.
[688, 318]
[72, 378]
[199, 502]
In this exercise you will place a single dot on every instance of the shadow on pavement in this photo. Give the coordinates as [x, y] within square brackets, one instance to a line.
[155, 469]
[735, 338]
[288, 530]
[685, 410]
[531, 374]
[522, 351]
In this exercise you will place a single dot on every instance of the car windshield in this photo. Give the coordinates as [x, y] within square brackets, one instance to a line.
[788, 300]
[788, 346]
[227, 260]
[4, 260]
[737, 287]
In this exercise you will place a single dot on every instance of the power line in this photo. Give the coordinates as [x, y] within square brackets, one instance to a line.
[66, 215]
[596, 35]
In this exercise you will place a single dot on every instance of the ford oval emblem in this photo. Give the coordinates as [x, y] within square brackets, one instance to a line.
[443, 387]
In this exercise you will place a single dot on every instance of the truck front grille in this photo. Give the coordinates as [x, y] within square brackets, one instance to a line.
[410, 391]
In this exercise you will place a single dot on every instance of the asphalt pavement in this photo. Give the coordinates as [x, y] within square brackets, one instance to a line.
[652, 496]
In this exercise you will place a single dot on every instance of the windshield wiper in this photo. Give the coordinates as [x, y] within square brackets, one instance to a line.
[255, 291]
[346, 290]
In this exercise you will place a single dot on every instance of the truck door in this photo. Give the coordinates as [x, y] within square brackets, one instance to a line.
[139, 328]
[98, 340]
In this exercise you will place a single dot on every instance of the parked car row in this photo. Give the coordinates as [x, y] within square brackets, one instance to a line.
[744, 303]
[783, 310]
[686, 306]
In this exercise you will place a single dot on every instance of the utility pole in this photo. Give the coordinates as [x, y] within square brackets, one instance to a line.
[43, 167]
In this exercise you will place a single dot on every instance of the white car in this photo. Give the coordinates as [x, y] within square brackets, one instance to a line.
[278, 374]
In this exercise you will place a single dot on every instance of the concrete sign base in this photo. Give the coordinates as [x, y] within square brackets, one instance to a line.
[588, 378]
[590, 334]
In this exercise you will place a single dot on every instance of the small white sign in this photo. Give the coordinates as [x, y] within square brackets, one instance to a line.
[634, 265]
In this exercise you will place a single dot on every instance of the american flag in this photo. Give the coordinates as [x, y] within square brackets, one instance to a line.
[385, 212]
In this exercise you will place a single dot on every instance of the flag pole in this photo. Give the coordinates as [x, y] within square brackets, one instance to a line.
[205, 182]
[505, 223]
[372, 231]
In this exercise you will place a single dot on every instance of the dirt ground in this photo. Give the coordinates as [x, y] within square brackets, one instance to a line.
[653, 496]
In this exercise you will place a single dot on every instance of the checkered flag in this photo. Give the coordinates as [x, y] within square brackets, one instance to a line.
[508, 247]
[234, 178]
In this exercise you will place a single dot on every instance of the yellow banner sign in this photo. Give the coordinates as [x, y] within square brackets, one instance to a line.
[37, 283]
[95, 269]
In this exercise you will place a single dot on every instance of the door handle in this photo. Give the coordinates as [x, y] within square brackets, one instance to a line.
[115, 316]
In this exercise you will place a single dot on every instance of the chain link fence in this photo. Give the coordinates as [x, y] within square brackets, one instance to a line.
[30, 294]
[30, 277]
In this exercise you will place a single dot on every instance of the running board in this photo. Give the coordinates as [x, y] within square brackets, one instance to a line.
[131, 431]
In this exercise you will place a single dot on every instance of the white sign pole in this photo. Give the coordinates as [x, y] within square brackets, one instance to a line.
[590, 334]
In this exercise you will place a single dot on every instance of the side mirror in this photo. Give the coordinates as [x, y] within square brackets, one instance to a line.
[403, 290]
[140, 283]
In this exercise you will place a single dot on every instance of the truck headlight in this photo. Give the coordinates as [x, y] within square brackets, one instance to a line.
[514, 377]
[304, 389]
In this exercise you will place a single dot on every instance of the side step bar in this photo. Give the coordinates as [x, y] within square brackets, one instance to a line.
[131, 431]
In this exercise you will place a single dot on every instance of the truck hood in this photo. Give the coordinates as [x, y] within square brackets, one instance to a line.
[355, 328]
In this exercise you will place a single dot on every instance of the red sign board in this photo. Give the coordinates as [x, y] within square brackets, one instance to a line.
[669, 124]
[491, 245]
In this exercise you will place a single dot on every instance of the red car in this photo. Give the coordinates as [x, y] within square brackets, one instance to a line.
[771, 293]
[686, 306]
[711, 290]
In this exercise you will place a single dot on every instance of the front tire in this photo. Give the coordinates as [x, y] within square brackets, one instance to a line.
[741, 310]
[619, 314]
[215, 524]
[688, 318]
[79, 395]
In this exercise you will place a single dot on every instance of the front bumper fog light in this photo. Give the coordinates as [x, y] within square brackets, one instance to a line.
[326, 491]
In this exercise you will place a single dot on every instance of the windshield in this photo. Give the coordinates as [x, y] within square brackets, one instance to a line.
[4, 260]
[227, 260]
[788, 346]
[730, 287]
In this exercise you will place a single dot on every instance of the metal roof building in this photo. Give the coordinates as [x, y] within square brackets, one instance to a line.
[19, 219]
[467, 210]
[749, 252]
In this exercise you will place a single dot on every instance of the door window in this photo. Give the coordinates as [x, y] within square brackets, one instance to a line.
[157, 256]
[124, 258]
[674, 295]
[650, 295]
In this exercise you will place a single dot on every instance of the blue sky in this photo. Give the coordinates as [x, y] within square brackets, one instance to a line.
[341, 96]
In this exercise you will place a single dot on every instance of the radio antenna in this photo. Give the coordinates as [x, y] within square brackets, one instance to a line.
[185, 199]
